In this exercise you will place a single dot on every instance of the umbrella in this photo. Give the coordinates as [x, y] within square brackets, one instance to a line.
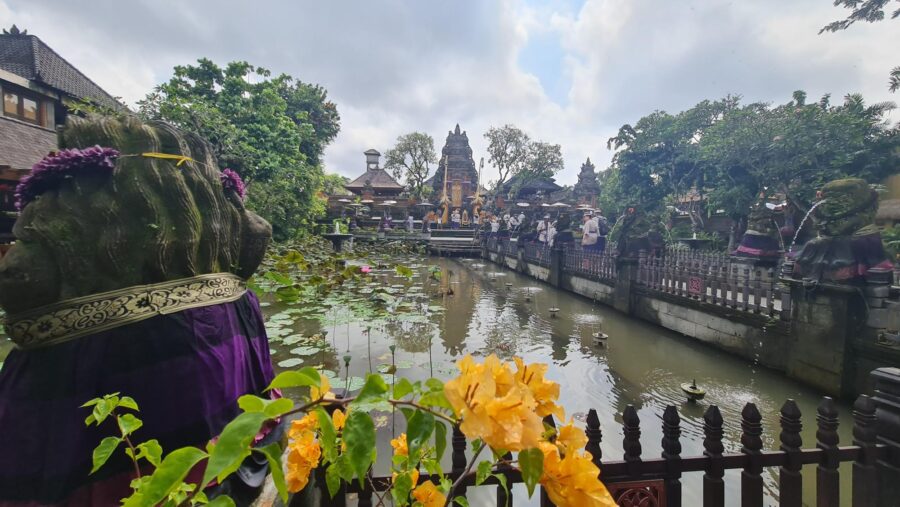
[355, 204]
[367, 201]
[344, 200]
[559, 205]
[388, 203]
[522, 204]
[424, 204]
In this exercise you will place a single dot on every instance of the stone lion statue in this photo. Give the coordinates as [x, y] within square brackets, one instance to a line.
[128, 275]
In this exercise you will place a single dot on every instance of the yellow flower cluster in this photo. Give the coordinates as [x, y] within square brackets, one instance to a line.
[428, 495]
[502, 407]
[304, 451]
[399, 445]
[572, 479]
[303, 456]
[505, 408]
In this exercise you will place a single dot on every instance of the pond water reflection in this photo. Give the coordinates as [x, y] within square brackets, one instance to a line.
[495, 310]
[642, 365]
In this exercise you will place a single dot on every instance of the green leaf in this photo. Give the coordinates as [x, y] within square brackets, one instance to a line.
[279, 278]
[221, 501]
[232, 446]
[483, 472]
[333, 479]
[272, 452]
[440, 439]
[151, 451]
[502, 480]
[304, 377]
[128, 423]
[419, 428]
[279, 407]
[402, 486]
[435, 399]
[461, 501]
[167, 477]
[328, 439]
[359, 435]
[103, 409]
[372, 395]
[251, 403]
[103, 451]
[531, 463]
[402, 388]
[129, 403]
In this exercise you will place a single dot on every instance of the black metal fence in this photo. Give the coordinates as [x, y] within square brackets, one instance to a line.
[636, 480]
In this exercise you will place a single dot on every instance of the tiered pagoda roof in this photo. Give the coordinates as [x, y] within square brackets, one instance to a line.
[375, 179]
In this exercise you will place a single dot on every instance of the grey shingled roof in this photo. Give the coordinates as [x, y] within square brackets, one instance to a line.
[378, 178]
[23, 145]
[29, 57]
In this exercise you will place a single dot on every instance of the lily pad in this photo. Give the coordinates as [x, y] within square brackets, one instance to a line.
[290, 363]
[292, 339]
[305, 351]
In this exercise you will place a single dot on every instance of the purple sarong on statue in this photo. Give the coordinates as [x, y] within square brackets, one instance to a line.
[185, 370]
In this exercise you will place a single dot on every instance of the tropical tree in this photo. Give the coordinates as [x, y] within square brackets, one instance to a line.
[333, 184]
[409, 161]
[271, 130]
[508, 151]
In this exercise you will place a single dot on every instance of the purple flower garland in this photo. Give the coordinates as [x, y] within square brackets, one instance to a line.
[231, 180]
[54, 168]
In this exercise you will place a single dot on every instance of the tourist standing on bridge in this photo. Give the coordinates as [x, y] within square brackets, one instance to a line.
[410, 223]
[495, 225]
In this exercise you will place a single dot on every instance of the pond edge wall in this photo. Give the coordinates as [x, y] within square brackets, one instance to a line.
[818, 346]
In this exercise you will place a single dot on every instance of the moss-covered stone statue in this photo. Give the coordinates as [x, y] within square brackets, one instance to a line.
[128, 275]
[634, 232]
[761, 240]
[849, 244]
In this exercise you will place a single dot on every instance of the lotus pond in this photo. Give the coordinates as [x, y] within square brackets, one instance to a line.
[392, 310]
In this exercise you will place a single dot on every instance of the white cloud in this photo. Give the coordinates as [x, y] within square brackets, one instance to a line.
[394, 66]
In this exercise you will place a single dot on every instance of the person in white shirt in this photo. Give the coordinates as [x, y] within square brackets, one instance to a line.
[495, 226]
[455, 219]
[542, 228]
[590, 233]
[410, 224]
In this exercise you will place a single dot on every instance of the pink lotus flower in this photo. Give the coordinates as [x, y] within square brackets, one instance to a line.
[365, 269]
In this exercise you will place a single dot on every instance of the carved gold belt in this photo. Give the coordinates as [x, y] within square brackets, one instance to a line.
[72, 318]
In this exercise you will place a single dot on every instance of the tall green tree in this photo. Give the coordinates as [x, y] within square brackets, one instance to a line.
[271, 130]
[508, 150]
[409, 161]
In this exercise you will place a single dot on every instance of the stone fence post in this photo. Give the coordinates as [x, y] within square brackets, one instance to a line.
[886, 383]
[556, 265]
[626, 280]
[826, 317]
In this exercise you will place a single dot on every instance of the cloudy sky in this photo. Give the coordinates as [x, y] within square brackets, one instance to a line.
[565, 71]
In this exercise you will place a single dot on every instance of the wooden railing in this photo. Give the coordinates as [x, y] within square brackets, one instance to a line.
[636, 480]
[718, 279]
[589, 264]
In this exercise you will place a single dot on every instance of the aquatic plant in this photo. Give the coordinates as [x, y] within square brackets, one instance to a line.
[498, 405]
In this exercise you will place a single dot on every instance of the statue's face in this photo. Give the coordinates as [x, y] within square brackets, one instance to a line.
[29, 276]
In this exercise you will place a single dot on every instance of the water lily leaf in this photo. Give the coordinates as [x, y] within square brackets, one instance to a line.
[290, 363]
[305, 351]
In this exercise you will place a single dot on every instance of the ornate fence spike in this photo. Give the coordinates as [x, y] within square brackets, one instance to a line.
[595, 436]
[631, 443]
[671, 452]
[713, 484]
[751, 441]
[827, 479]
[865, 475]
[790, 482]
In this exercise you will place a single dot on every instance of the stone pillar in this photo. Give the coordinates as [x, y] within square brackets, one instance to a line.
[556, 264]
[886, 382]
[825, 318]
[626, 279]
